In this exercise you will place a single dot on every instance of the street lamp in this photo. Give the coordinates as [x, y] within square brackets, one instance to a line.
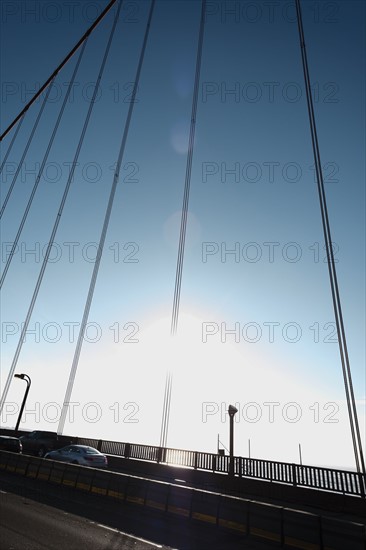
[28, 380]
[232, 412]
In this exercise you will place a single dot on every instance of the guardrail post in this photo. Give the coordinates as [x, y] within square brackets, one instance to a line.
[214, 463]
[159, 455]
[362, 480]
[232, 412]
[195, 460]
[99, 445]
[127, 450]
[293, 469]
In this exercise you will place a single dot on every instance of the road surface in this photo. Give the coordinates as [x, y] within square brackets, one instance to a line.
[39, 516]
[30, 525]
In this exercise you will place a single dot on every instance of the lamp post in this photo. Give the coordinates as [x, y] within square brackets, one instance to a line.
[300, 454]
[232, 412]
[28, 381]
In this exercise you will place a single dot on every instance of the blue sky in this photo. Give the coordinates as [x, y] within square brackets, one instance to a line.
[252, 192]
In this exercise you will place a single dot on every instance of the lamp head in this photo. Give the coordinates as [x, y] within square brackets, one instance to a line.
[232, 410]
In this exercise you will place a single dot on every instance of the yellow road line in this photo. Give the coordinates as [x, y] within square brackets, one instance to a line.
[236, 526]
[136, 500]
[297, 543]
[83, 486]
[155, 504]
[55, 479]
[115, 494]
[68, 482]
[98, 490]
[204, 517]
[180, 511]
[263, 533]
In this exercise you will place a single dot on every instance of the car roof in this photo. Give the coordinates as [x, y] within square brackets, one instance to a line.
[82, 446]
[42, 432]
[8, 437]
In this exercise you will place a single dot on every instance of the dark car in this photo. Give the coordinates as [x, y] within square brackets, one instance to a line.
[40, 442]
[12, 444]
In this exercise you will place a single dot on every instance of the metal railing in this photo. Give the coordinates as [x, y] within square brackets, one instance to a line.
[314, 477]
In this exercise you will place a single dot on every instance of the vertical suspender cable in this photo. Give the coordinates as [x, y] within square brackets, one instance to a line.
[101, 243]
[11, 144]
[165, 401]
[166, 409]
[346, 369]
[183, 226]
[58, 217]
[40, 172]
[30, 139]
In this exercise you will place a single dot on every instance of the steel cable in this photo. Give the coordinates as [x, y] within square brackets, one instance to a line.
[58, 217]
[183, 225]
[52, 138]
[346, 369]
[11, 144]
[101, 243]
[28, 144]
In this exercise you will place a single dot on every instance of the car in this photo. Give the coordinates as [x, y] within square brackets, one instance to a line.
[12, 444]
[40, 442]
[79, 454]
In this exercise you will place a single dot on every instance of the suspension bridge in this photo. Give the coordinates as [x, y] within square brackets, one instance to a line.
[78, 144]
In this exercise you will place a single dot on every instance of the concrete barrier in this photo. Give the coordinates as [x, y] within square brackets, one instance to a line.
[33, 467]
[84, 479]
[100, 482]
[205, 507]
[135, 491]
[281, 526]
[44, 470]
[22, 465]
[157, 495]
[179, 501]
[118, 488]
[57, 472]
[70, 475]
[302, 530]
[249, 488]
[266, 522]
[11, 462]
[233, 514]
[339, 535]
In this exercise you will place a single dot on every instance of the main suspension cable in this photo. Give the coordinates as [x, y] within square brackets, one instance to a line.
[58, 218]
[101, 243]
[61, 65]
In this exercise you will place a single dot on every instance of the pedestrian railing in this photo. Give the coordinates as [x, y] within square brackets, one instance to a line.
[314, 477]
